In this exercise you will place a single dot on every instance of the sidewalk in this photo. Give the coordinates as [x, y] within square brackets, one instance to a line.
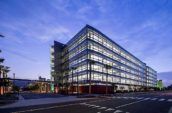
[23, 103]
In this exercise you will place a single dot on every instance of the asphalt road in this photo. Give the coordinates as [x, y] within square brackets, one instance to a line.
[120, 103]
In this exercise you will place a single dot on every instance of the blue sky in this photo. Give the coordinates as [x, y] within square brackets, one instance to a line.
[143, 27]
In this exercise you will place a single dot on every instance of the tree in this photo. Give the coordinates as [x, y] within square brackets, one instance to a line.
[15, 88]
[34, 87]
[169, 87]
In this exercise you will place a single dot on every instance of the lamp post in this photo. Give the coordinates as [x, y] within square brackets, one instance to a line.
[107, 67]
[90, 66]
[72, 69]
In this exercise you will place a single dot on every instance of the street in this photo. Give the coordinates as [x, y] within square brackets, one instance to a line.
[119, 103]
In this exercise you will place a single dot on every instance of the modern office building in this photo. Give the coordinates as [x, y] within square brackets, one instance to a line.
[93, 63]
[151, 75]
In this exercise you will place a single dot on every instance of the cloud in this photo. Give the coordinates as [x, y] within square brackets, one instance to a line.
[20, 54]
[47, 33]
[37, 28]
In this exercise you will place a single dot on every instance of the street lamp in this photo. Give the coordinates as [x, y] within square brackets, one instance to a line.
[72, 69]
[107, 67]
[90, 65]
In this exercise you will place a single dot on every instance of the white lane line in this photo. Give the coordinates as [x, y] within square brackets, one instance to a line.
[136, 97]
[84, 103]
[161, 99]
[117, 111]
[154, 99]
[102, 108]
[129, 104]
[95, 106]
[118, 97]
[132, 98]
[91, 105]
[140, 98]
[146, 98]
[169, 100]
[109, 109]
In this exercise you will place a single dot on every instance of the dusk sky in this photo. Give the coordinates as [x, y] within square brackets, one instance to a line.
[143, 27]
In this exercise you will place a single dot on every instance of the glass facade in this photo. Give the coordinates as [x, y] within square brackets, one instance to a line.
[151, 77]
[91, 45]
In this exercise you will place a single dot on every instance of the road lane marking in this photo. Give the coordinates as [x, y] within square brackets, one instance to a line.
[117, 111]
[136, 97]
[102, 108]
[109, 109]
[154, 99]
[161, 99]
[129, 104]
[132, 98]
[91, 105]
[95, 106]
[146, 98]
[169, 100]
[118, 97]
[140, 98]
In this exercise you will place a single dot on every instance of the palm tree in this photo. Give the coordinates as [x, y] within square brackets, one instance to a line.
[2, 36]
[1, 60]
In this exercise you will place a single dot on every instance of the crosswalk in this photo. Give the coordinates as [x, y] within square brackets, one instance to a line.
[117, 109]
[144, 98]
[105, 109]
